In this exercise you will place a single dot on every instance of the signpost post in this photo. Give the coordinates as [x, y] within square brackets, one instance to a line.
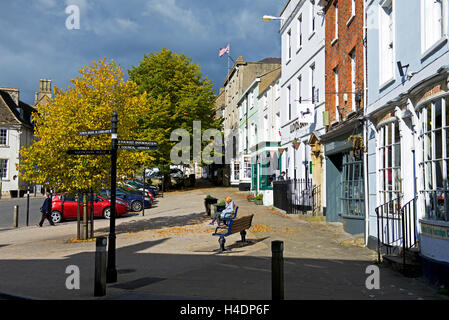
[133, 145]
[111, 271]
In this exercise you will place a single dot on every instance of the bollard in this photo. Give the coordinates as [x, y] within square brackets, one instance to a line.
[16, 216]
[277, 270]
[100, 267]
[28, 205]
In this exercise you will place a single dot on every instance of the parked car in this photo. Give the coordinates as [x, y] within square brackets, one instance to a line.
[135, 188]
[65, 206]
[129, 189]
[177, 178]
[135, 200]
[137, 185]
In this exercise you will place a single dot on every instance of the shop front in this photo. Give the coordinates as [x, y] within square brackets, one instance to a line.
[345, 195]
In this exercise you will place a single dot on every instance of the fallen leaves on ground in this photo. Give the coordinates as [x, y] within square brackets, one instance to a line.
[183, 230]
[74, 240]
[260, 228]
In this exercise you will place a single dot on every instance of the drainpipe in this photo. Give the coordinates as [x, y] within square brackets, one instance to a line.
[365, 127]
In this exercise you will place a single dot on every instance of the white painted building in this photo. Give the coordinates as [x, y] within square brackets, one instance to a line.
[16, 131]
[408, 134]
[302, 85]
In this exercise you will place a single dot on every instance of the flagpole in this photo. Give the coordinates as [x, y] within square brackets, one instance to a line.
[229, 59]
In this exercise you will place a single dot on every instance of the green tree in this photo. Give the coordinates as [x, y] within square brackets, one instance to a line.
[87, 104]
[176, 95]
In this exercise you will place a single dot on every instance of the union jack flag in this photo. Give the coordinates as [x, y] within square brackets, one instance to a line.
[224, 50]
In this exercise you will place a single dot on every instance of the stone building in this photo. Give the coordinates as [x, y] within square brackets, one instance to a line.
[238, 79]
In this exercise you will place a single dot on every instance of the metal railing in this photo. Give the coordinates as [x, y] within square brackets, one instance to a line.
[316, 208]
[396, 228]
[293, 196]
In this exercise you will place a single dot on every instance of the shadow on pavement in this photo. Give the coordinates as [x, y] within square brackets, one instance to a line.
[158, 223]
[146, 275]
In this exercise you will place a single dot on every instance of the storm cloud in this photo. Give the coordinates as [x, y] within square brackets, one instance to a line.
[36, 44]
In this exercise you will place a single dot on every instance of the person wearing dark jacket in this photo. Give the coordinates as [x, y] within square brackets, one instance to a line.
[46, 210]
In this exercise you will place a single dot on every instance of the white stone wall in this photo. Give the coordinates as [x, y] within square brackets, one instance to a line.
[310, 53]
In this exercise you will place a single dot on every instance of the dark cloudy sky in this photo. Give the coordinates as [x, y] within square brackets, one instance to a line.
[35, 43]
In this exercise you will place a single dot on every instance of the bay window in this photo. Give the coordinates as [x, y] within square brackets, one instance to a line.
[434, 118]
[389, 153]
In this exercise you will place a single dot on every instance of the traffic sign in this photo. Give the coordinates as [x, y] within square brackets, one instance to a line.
[137, 148]
[138, 143]
[88, 152]
[94, 132]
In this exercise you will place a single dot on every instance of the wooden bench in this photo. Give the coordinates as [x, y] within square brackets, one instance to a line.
[234, 225]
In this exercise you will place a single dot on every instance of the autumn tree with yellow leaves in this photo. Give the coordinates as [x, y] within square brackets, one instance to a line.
[88, 104]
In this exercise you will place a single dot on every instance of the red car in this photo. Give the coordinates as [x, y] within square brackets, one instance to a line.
[64, 206]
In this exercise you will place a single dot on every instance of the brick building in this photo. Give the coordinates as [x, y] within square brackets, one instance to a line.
[343, 140]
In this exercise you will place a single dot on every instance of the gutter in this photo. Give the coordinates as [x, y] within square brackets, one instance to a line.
[365, 124]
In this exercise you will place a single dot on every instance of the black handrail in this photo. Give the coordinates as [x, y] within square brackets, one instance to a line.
[388, 216]
[399, 224]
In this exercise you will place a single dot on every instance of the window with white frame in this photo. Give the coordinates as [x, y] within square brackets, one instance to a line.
[389, 153]
[265, 100]
[434, 118]
[289, 101]
[353, 8]
[386, 39]
[236, 170]
[337, 100]
[277, 90]
[251, 99]
[3, 168]
[300, 32]
[312, 17]
[289, 44]
[313, 88]
[432, 19]
[247, 168]
[336, 21]
[353, 78]
[300, 89]
[266, 129]
[3, 136]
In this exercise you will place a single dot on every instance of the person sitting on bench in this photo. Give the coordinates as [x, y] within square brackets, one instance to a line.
[228, 211]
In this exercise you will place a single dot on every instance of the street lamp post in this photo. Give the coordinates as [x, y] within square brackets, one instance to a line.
[111, 272]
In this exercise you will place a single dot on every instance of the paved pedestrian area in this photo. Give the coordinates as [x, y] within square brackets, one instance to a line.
[170, 253]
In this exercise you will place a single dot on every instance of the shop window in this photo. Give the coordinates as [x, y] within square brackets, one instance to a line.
[389, 151]
[435, 166]
[352, 197]
[247, 169]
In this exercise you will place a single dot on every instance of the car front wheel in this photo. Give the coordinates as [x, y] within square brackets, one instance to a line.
[56, 216]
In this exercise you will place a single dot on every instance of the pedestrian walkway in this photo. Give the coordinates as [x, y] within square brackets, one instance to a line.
[170, 252]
